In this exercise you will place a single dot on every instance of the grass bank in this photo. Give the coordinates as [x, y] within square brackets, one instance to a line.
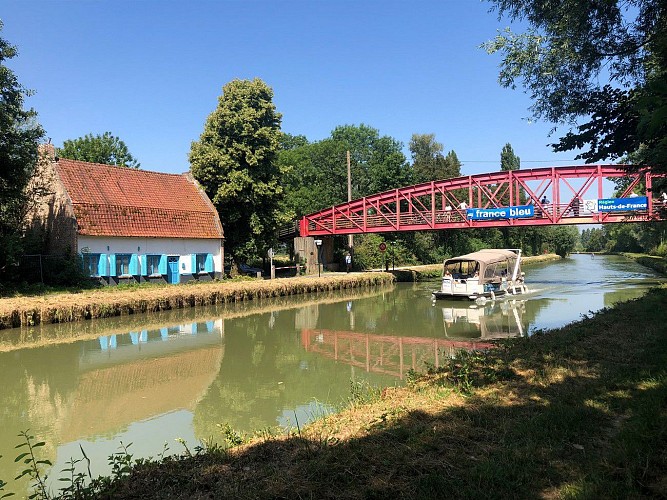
[658, 264]
[111, 302]
[576, 412]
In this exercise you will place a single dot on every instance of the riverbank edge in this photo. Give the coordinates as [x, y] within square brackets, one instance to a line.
[590, 397]
[658, 264]
[108, 303]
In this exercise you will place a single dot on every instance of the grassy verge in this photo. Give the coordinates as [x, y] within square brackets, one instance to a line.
[656, 263]
[577, 412]
[110, 302]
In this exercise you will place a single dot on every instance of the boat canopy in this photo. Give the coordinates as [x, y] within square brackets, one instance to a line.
[491, 265]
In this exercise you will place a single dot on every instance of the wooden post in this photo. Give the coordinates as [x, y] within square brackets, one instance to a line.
[350, 238]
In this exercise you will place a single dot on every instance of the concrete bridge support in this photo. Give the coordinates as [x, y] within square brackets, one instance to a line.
[305, 250]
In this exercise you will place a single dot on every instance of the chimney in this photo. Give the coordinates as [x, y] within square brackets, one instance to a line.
[47, 151]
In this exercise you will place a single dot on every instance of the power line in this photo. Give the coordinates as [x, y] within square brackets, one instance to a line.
[522, 161]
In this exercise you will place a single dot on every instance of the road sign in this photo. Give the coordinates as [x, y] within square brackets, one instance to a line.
[382, 246]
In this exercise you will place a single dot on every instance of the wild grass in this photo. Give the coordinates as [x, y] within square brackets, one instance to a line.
[113, 301]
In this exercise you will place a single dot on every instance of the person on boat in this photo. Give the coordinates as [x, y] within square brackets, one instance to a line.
[448, 274]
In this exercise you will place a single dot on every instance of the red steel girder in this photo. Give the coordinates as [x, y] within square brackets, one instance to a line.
[438, 204]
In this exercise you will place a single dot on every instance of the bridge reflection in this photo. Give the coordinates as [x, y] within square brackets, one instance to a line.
[384, 354]
[465, 327]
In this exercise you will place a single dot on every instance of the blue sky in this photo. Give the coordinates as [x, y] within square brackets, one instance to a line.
[150, 72]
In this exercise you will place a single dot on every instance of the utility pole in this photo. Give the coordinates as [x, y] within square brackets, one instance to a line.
[350, 239]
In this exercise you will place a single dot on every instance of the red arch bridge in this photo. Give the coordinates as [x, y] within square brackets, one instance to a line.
[535, 197]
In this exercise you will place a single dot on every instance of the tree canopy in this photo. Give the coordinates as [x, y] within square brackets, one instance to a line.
[19, 137]
[509, 160]
[604, 61]
[235, 162]
[317, 171]
[105, 148]
[428, 162]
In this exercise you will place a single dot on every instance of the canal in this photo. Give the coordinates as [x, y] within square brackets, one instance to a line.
[146, 381]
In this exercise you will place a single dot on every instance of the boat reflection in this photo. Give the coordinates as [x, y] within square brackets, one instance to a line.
[493, 320]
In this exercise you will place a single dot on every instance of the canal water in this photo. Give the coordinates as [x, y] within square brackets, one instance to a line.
[146, 381]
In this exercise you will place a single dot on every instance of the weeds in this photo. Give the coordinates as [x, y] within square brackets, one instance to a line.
[362, 393]
[2, 488]
[33, 465]
[232, 437]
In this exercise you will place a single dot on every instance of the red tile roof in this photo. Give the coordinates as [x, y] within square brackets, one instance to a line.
[121, 201]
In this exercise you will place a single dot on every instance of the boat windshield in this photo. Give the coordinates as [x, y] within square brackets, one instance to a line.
[462, 268]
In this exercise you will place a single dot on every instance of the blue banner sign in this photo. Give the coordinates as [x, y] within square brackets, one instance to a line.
[517, 212]
[623, 204]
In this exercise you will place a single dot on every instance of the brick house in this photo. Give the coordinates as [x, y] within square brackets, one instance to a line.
[129, 225]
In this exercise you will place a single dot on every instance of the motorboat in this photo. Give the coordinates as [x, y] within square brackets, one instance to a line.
[485, 274]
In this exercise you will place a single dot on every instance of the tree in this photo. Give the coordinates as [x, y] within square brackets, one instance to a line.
[425, 155]
[428, 162]
[19, 137]
[377, 163]
[235, 162]
[106, 149]
[508, 160]
[605, 61]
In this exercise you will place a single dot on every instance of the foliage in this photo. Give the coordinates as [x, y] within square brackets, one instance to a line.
[106, 149]
[509, 160]
[367, 254]
[19, 136]
[33, 465]
[428, 162]
[316, 173]
[603, 60]
[235, 162]
[377, 162]
[564, 239]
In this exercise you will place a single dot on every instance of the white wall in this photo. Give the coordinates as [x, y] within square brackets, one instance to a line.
[182, 247]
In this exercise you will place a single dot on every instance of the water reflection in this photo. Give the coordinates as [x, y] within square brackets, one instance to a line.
[148, 379]
[493, 320]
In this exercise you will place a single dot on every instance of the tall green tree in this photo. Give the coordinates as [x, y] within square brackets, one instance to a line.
[509, 160]
[451, 166]
[427, 157]
[235, 162]
[19, 137]
[106, 149]
[428, 161]
[604, 61]
[377, 162]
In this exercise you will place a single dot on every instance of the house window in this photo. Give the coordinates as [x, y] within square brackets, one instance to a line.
[122, 264]
[200, 263]
[152, 264]
[91, 263]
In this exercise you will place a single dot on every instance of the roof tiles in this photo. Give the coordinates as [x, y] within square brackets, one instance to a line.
[121, 201]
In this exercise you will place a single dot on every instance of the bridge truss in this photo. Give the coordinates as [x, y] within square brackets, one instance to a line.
[442, 204]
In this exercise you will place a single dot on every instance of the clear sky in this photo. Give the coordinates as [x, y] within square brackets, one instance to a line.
[151, 71]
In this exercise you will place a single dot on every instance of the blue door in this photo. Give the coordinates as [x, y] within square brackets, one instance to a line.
[172, 270]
